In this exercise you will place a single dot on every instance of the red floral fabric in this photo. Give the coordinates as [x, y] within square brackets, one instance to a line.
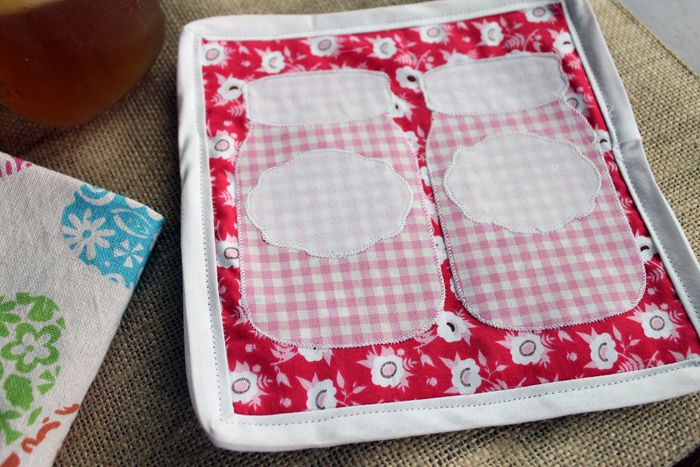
[458, 355]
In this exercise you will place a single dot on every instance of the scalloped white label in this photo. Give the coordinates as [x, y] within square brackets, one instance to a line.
[330, 203]
[522, 182]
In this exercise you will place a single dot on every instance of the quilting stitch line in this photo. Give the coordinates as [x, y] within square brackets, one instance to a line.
[694, 362]
[199, 102]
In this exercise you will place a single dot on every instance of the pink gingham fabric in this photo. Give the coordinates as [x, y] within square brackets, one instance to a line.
[522, 182]
[318, 97]
[308, 203]
[386, 293]
[586, 271]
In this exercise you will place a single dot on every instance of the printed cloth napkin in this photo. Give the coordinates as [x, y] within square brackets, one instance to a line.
[70, 257]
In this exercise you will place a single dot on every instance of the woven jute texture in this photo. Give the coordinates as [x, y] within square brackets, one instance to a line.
[138, 411]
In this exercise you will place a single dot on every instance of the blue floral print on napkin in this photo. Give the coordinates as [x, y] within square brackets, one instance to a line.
[110, 232]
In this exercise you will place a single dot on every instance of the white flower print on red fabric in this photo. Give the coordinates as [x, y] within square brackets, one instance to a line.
[539, 14]
[681, 357]
[562, 42]
[244, 385]
[387, 371]
[384, 47]
[228, 194]
[603, 138]
[465, 375]
[408, 78]
[425, 176]
[387, 368]
[576, 101]
[442, 251]
[455, 57]
[656, 322]
[320, 394]
[227, 253]
[430, 204]
[222, 145]
[412, 140]
[311, 354]
[647, 248]
[603, 352]
[283, 354]
[491, 33]
[272, 62]
[433, 34]
[452, 328]
[526, 348]
[400, 108]
[346, 392]
[213, 53]
[323, 46]
[230, 88]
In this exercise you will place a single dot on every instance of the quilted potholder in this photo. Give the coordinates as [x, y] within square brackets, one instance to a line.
[419, 219]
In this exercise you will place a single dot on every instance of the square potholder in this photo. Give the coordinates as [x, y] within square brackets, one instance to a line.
[419, 219]
[70, 257]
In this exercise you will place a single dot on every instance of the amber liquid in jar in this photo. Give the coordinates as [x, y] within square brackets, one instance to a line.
[64, 62]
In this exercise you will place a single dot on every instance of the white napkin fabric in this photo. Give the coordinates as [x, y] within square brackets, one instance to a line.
[70, 257]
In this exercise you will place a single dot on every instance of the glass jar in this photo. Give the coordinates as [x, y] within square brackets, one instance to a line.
[64, 62]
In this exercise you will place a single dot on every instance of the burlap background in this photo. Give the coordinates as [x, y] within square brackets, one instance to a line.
[138, 411]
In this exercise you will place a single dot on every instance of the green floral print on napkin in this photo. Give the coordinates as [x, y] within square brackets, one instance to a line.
[30, 328]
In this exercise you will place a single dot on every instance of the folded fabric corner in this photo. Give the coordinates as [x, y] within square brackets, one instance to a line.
[70, 257]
